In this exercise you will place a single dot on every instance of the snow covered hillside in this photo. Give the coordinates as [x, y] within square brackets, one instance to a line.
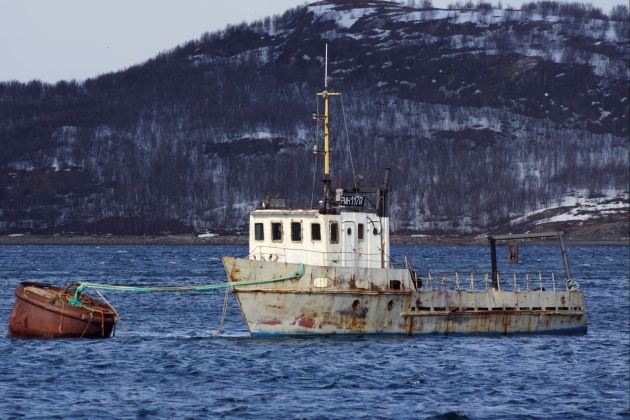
[491, 120]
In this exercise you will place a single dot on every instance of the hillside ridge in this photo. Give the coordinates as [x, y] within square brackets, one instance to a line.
[489, 119]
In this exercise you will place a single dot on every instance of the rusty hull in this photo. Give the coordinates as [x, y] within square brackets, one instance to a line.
[42, 311]
[359, 301]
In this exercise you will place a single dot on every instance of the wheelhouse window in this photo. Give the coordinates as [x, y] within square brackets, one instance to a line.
[296, 231]
[276, 231]
[334, 232]
[259, 232]
[316, 232]
[360, 230]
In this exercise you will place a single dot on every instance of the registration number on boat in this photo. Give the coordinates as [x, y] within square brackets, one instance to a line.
[352, 200]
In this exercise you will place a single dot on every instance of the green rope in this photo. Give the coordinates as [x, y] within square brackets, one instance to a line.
[572, 284]
[74, 301]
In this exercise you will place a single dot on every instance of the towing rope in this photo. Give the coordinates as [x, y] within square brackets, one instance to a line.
[74, 301]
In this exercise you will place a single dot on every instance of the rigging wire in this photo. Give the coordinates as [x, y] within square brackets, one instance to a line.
[292, 179]
[314, 176]
[315, 151]
[345, 121]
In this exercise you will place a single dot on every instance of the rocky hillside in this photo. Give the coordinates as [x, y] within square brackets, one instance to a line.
[486, 116]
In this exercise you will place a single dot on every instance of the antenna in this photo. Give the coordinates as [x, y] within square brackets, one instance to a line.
[326, 70]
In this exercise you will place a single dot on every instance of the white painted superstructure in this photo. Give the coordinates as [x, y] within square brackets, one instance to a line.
[347, 239]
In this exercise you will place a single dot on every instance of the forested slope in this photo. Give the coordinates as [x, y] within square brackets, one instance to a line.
[484, 115]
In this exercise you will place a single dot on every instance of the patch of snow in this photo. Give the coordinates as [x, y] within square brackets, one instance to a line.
[382, 34]
[207, 235]
[611, 34]
[343, 18]
[321, 9]
[22, 166]
[580, 208]
[259, 135]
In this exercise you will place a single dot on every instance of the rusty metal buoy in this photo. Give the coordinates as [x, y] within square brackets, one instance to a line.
[43, 311]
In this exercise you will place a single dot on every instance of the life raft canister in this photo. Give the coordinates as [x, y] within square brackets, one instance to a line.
[513, 252]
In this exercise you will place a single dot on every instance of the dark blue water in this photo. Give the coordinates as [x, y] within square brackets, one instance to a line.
[171, 366]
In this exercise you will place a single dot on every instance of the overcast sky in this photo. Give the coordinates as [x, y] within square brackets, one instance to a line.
[53, 40]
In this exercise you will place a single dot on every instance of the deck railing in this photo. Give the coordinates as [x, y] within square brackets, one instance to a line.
[482, 281]
[451, 281]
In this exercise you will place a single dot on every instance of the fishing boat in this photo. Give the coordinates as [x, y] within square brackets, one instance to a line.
[328, 270]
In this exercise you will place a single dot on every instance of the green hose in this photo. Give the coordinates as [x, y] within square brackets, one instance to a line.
[572, 285]
[74, 301]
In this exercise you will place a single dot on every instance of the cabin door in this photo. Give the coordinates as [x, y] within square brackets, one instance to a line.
[349, 243]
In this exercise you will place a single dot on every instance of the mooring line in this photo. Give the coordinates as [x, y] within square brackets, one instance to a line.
[118, 318]
[74, 300]
[82, 286]
[225, 301]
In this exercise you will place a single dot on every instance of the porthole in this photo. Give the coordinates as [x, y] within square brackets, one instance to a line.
[349, 230]
[390, 305]
[356, 304]
[375, 231]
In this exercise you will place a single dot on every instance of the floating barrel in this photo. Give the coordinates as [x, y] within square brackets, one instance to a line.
[44, 311]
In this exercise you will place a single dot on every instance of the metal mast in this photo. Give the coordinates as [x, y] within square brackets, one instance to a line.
[326, 152]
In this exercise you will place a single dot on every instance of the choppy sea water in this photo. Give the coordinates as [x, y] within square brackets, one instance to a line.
[171, 366]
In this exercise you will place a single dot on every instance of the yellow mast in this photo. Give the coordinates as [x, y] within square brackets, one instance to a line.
[326, 152]
[325, 94]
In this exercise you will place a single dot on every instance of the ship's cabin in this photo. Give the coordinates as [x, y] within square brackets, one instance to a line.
[348, 230]
[346, 239]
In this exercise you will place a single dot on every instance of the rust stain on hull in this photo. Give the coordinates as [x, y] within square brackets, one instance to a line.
[306, 323]
[321, 313]
[301, 308]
